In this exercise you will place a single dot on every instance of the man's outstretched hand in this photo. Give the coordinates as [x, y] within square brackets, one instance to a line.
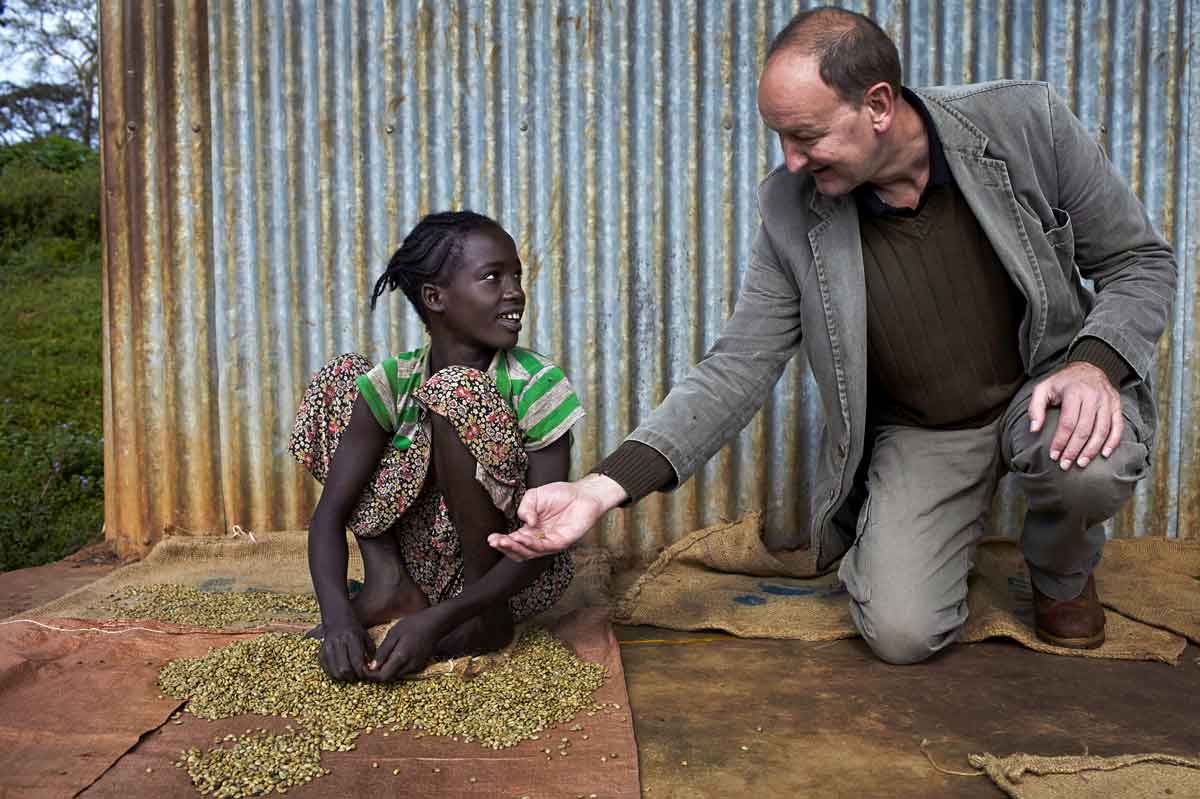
[557, 515]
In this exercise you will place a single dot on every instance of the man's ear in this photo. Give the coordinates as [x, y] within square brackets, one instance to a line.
[433, 297]
[881, 103]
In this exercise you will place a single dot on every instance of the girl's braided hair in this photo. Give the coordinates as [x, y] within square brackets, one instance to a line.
[428, 249]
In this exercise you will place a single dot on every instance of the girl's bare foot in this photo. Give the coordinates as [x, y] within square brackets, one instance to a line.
[379, 604]
[376, 604]
[490, 631]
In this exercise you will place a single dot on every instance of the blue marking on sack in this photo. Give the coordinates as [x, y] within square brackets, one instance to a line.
[217, 585]
[750, 599]
[785, 590]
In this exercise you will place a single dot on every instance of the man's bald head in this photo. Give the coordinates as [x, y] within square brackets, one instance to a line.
[853, 53]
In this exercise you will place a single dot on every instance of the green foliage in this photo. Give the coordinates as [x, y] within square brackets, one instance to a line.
[48, 187]
[55, 153]
[51, 451]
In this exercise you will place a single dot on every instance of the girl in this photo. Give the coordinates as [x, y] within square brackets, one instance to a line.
[427, 453]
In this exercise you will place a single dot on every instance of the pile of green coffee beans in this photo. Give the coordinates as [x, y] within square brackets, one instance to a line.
[181, 604]
[541, 684]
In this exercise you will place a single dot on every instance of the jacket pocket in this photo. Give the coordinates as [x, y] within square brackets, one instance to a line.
[1062, 240]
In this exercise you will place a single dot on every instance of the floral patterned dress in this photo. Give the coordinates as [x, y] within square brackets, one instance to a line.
[396, 500]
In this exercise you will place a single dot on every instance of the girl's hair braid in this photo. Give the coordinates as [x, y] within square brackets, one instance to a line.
[425, 254]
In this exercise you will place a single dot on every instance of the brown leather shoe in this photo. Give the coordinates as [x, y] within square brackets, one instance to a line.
[1074, 623]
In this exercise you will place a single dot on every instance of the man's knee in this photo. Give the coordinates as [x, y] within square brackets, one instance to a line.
[902, 636]
[1098, 489]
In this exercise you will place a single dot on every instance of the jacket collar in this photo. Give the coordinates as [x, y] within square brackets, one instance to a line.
[956, 131]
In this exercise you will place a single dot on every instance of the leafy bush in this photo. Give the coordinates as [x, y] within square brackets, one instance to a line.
[49, 187]
[52, 486]
[51, 451]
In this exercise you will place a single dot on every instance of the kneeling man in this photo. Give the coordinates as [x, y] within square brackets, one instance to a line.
[927, 249]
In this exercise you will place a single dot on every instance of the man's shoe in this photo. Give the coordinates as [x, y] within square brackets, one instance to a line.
[1073, 623]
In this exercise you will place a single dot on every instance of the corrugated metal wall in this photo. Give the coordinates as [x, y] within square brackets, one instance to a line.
[262, 159]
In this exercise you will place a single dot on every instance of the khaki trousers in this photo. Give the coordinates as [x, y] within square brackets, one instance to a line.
[928, 493]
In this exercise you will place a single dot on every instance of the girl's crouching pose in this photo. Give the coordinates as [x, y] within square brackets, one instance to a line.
[426, 454]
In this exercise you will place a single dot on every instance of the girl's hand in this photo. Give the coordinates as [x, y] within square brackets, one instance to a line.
[345, 650]
[406, 648]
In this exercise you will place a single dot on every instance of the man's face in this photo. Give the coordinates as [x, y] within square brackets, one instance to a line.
[819, 132]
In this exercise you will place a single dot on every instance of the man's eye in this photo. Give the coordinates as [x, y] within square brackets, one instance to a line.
[489, 276]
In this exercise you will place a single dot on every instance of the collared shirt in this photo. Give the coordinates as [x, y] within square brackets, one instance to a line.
[870, 204]
[530, 383]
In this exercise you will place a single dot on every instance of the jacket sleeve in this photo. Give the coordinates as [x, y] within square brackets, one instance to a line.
[1116, 245]
[722, 392]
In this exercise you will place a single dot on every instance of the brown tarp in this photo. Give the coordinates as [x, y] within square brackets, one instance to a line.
[80, 713]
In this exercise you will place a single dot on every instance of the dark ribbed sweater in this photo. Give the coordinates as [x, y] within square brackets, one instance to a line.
[942, 317]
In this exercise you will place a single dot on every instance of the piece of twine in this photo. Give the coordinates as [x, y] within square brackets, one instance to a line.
[951, 772]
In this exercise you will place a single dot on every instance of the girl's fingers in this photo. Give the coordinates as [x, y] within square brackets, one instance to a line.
[341, 662]
[511, 548]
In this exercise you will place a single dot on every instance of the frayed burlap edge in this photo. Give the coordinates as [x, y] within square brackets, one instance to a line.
[1009, 772]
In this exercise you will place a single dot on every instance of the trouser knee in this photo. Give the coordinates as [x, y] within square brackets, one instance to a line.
[903, 638]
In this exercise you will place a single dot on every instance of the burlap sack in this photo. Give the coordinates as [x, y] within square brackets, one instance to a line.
[1024, 776]
[1154, 580]
[723, 578]
[274, 561]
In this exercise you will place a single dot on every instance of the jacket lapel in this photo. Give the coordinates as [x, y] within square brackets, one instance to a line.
[837, 259]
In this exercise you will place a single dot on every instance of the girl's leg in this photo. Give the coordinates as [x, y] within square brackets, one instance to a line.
[474, 516]
[388, 591]
[324, 415]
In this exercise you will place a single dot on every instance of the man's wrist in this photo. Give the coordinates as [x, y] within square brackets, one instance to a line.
[605, 490]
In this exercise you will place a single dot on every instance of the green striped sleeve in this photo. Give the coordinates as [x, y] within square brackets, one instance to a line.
[367, 387]
[551, 428]
[538, 388]
[529, 362]
[390, 368]
[547, 407]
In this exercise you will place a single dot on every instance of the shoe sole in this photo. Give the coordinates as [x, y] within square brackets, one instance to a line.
[1072, 643]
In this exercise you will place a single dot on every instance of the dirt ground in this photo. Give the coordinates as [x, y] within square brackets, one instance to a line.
[716, 715]
[22, 589]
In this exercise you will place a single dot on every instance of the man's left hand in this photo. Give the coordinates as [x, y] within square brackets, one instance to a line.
[1090, 420]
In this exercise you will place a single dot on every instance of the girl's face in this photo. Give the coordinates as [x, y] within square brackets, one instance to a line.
[483, 303]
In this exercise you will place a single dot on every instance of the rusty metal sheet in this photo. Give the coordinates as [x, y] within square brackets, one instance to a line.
[263, 159]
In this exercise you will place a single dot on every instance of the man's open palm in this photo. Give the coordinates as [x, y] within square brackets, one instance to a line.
[555, 516]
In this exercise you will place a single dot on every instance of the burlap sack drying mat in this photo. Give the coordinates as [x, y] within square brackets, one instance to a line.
[723, 578]
[81, 714]
[1024, 776]
[272, 561]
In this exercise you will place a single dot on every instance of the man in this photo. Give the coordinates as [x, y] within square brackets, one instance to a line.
[926, 249]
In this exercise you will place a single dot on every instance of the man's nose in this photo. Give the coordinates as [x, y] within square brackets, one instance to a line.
[512, 288]
[794, 159]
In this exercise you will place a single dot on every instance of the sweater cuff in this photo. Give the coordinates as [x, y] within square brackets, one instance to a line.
[1098, 353]
[638, 468]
